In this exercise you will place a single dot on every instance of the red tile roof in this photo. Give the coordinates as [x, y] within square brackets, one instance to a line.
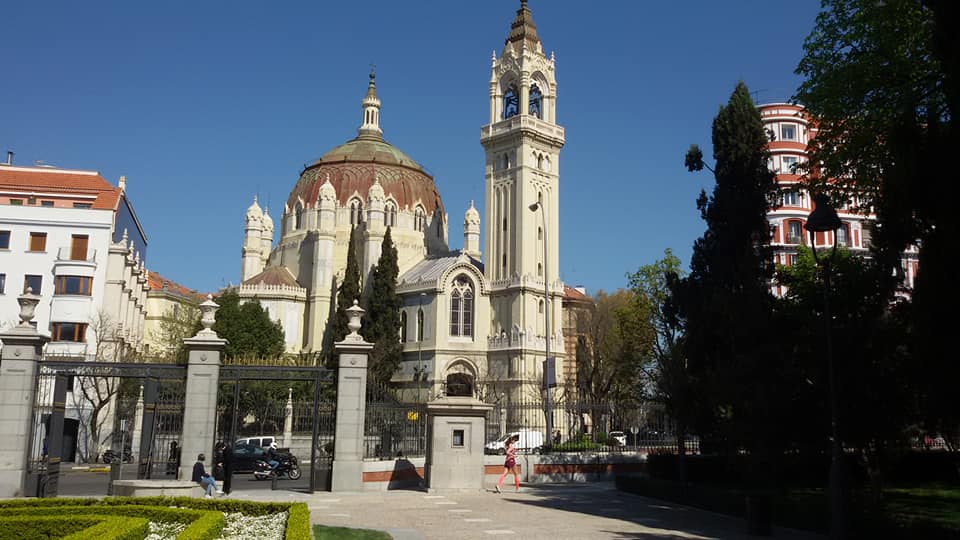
[274, 275]
[156, 282]
[63, 182]
[572, 294]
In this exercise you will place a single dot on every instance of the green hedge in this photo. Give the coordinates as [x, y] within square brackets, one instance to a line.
[43, 527]
[298, 522]
[114, 528]
[73, 527]
[204, 516]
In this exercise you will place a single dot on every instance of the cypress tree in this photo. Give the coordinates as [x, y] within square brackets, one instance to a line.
[383, 317]
[347, 292]
[726, 300]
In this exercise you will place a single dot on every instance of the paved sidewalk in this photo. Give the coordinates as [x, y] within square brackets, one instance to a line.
[595, 511]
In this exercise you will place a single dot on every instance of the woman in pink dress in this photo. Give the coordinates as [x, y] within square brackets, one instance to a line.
[510, 465]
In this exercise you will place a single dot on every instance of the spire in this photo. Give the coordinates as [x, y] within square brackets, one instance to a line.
[523, 30]
[370, 128]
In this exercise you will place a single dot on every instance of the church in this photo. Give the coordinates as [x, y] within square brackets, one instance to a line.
[470, 313]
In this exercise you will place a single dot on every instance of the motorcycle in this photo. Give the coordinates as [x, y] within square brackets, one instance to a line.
[288, 466]
[112, 456]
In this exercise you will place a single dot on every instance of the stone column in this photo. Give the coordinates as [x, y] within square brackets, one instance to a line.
[19, 357]
[203, 375]
[288, 420]
[351, 406]
[137, 425]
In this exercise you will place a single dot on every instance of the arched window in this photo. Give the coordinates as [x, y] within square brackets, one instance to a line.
[420, 324]
[539, 269]
[403, 327]
[511, 102]
[540, 161]
[843, 235]
[461, 308]
[419, 219]
[391, 214]
[539, 233]
[536, 102]
[298, 216]
[540, 325]
[356, 212]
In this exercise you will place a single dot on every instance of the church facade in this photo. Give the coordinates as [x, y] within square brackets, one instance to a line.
[467, 312]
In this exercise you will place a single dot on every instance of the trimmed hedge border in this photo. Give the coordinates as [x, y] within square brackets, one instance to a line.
[43, 527]
[114, 528]
[205, 516]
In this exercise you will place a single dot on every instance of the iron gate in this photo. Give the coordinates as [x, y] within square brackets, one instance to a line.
[77, 410]
[257, 401]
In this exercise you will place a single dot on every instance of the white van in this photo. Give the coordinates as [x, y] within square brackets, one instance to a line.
[528, 441]
[262, 441]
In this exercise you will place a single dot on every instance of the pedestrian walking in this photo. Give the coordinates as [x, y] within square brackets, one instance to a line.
[201, 477]
[510, 465]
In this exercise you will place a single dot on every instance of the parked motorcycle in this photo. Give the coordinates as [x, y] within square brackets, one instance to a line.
[288, 466]
[111, 456]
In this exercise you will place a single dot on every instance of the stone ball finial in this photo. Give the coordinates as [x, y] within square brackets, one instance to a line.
[28, 307]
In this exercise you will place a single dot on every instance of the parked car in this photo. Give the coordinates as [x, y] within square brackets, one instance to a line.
[619, 436]
[262, 441]
[528, 440]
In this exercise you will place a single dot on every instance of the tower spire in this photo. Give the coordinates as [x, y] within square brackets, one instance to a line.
[523, 30]
[370, 128]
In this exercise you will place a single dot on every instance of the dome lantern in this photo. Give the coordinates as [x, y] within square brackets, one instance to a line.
[371, 111]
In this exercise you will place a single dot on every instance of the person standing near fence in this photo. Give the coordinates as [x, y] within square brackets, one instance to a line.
[510, 465]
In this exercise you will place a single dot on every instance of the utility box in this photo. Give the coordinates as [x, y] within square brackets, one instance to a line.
[456, 429]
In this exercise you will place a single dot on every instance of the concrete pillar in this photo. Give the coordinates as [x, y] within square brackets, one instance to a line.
[288, 420]
[351, 406]
[137, 425]
[200, 408]
[456, 434]
[19, 357]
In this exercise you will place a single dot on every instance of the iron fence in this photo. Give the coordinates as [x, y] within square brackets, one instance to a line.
[393, 427]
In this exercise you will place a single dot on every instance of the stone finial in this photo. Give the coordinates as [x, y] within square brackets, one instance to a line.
[289, 398]
[354, 313]
[123, 183]
[208, 313]
[28, 307]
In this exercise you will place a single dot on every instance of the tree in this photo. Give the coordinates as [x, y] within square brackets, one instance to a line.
[882, 82]
[725, 302]
[248, 329]
[870, 361]
[348, 291]
[616, 340]
[175, 326]
[383, 316]
[666, 372]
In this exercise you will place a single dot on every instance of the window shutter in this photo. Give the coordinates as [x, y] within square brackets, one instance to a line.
[78, 247]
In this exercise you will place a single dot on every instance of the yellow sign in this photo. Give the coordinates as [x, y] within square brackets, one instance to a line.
[412, 416]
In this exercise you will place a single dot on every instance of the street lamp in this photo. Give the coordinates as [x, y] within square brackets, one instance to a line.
[823, 219]
[548, 400]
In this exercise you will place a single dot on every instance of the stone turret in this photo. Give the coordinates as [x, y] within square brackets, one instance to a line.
[253, 262]
[471, 232]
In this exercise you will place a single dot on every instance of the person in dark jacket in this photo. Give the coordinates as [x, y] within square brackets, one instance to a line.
[201, 477]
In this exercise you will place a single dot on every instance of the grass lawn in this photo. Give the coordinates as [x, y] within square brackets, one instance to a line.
[932, 504]
[322, 532]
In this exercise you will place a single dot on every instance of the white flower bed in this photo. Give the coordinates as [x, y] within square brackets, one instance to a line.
[238, 527]
[242, 527]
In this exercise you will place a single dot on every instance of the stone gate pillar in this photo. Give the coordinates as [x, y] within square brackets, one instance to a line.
[203, 376]
[456, 433]
[19, 357]
[351, 406]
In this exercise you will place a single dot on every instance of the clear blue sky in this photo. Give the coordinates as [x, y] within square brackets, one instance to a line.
[204, 104]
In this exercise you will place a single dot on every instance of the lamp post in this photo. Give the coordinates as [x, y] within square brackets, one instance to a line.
[823, 219]
[548, 399]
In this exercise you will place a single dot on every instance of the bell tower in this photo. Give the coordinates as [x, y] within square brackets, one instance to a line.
[522, 143]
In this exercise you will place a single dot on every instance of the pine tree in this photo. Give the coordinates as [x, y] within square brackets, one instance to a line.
[383, 316]
[726, 301]
[347, 292]
[248, 328]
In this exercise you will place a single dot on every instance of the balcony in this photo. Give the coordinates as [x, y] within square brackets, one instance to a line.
[524, 122]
